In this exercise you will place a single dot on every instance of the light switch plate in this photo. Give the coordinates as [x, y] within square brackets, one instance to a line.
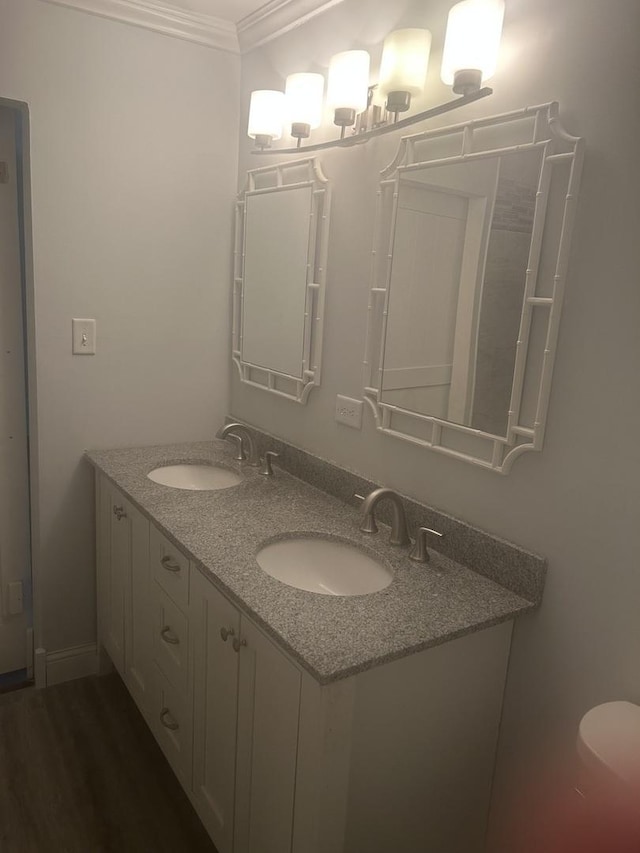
[84, 337]
[349, 411]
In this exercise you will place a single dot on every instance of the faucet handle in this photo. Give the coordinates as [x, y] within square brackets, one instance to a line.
[267, 470]
[419, 552]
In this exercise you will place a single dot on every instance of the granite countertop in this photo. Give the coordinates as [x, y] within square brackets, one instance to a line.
[331, 637]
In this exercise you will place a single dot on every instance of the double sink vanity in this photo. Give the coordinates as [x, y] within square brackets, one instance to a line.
[319, 685]
[315, 688]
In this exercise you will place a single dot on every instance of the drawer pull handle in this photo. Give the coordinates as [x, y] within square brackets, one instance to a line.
[225, 633]
[168, 564]
[237, 644]
[119, 512]
[169, 637]
[167, 720]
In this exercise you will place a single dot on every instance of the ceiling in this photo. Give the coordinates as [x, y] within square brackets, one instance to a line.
[228, 10]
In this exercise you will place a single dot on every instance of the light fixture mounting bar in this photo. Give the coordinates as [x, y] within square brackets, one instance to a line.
[360, 138]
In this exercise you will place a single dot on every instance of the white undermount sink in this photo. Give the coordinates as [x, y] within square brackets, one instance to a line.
[195, 477]
[326, 566]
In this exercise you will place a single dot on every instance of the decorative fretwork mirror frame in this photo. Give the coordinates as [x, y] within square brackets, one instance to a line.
[279, 178]
[534, 128]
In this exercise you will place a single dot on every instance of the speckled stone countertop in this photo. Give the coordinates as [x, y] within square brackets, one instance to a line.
[331, 637]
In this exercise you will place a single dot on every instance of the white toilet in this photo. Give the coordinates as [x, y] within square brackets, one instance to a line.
[609, 746]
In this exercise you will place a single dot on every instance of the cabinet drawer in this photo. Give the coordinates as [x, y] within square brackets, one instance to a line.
[172, 724]
[169, 567]
[170, 638]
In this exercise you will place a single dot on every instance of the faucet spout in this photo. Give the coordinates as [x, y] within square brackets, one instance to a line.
[399, 530]
[244, 434]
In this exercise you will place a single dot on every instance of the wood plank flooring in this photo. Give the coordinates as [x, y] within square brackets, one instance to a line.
[81, 773]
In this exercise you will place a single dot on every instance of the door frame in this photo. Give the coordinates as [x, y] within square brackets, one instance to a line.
[36, 667]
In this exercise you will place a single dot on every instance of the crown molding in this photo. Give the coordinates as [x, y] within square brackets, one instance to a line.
[276, 18]
[191, 26]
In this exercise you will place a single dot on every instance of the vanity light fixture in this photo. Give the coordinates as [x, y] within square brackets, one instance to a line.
[303, 103]
[348, 87]
[471, 44]
[266, 116]
[403, 70]
[470, 56]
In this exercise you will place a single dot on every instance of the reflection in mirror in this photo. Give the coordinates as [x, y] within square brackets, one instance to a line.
[281, 245]
[276, 241]
[460, 250]
[465, 301]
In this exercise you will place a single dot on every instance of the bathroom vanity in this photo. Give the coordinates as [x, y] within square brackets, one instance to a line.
[297, 721]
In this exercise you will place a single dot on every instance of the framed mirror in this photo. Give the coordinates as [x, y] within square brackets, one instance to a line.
[282, 225]
[469, 264]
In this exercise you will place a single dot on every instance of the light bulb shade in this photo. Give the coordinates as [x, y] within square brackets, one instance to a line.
[303, 94]
[348, 86]
[405, 57]
[472, 41]
[266, 114]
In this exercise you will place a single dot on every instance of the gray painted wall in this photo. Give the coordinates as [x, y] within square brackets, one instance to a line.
[133, 161]
[577, 501]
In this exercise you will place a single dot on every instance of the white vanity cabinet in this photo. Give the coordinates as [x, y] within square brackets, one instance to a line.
[397, 757]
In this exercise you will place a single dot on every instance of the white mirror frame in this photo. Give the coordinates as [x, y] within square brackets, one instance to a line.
[495, 453]
[271, 179]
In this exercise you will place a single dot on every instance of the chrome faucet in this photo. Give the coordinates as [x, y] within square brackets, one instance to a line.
[399, 531]
[244, 434]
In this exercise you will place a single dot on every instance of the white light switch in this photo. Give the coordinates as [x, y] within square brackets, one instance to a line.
[84, 337]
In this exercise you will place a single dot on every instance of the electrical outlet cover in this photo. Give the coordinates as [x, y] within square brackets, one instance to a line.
[349, 411]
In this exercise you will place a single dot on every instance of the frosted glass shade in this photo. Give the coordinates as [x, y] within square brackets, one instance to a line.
[405, 57]
[472, 41]
[348, 85]
[266, 114]
[303, 94]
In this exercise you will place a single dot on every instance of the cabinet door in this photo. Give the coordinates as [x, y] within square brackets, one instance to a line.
[138, 611]
[123, 588]
[215, 681]
[268, 717]
[113, 567]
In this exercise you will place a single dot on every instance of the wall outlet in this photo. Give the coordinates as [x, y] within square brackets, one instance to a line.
[84, 337]
[349, 411]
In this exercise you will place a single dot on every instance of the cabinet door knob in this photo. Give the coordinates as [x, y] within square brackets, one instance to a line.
[167, 563]
[119, 512]
[167, 720]
[237, 644]
[169, 637]
[225, 633]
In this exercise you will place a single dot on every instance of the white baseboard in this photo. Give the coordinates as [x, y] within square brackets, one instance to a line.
[67, 664]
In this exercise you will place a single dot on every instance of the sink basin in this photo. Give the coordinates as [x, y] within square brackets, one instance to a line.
[323, 565]
[198, 478]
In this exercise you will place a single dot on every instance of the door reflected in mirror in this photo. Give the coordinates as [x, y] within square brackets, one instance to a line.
[470, 256]
[460, 251]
